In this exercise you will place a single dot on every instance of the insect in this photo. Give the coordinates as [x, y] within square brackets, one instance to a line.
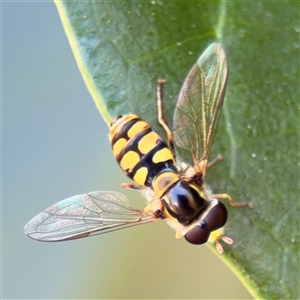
[174, 191]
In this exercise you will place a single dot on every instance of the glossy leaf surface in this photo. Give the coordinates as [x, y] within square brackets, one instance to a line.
[122, 49]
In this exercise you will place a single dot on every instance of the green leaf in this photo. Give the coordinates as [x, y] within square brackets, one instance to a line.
[123, 47]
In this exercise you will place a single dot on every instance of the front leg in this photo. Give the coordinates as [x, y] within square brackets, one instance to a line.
[133, 186]
[215, 160]
[232, 202]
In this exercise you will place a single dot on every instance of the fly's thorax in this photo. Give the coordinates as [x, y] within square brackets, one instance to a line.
[139, 150]
[185, 201]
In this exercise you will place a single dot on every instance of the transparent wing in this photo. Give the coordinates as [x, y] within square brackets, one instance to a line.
[199, 105]
[86, 215]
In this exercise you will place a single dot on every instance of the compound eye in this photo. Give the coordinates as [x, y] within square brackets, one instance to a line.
[115, 119]
[216, 217]
[197, 235]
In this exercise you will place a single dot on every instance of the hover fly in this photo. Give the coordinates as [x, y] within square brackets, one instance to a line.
[174, 191]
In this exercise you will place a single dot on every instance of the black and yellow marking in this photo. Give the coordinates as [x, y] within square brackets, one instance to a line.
[140, 151]
[179, 196]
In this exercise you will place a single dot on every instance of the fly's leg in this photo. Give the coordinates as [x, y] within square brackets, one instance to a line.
[231, 201]
[214, 161]
[203, 165]
[161, 119]
[147, 193]
[133, 186]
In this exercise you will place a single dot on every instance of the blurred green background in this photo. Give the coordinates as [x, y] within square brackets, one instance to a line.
[55, 146]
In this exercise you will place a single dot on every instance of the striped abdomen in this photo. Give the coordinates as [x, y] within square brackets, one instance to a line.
[140, 151]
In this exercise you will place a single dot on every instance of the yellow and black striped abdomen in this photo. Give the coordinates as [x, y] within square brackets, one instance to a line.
[140, 151]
